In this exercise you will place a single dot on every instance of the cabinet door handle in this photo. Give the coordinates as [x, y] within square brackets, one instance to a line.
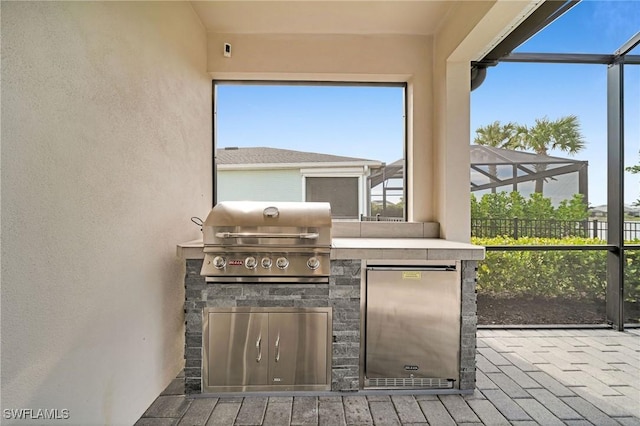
[278, 348]
[259, 348]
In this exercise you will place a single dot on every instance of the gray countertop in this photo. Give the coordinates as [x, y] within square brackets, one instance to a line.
[378, 248]
[404, 249]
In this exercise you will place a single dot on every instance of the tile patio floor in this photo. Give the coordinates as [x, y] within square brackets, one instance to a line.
[525, 377]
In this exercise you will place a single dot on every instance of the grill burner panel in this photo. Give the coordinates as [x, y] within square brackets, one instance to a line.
[266, 265]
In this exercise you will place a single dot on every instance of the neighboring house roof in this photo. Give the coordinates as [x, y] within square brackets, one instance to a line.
[265, 157]
[394, 170]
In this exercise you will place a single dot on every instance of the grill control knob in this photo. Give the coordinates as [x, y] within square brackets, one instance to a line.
[266, 262]
[282, 262]
[250, 262]
[219, 262]
[313, 263]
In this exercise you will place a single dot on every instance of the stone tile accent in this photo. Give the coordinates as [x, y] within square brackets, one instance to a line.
[150, 421]
[488, 413]
[224, 413]
[344, 298]
[176, 387]
[520, 377]
[198, 412]
[459, 409]
[508, 386]
[331, 412]
[356, 410]
[252, 411]
[436, 413]
[278, 412]
[167, 406]
[551, 384]
[408, 409]
[538, 412]
[468, 328]
[383, 413]
[305, 410]
[554, 404]
[506, 405]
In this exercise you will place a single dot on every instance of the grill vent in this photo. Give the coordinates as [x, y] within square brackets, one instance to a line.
[405, 382]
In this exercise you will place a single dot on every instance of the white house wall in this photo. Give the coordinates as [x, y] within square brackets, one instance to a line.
[106, 154]
[259, 185]
[472, 29]
[386, 58]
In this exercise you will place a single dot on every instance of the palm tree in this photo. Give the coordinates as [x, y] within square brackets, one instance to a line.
[497, 135]
[562, 134]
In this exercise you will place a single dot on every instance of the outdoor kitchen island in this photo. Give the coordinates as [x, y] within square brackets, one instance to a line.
[355, 246]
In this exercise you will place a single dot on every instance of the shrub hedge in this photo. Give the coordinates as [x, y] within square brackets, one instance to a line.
[573, 274]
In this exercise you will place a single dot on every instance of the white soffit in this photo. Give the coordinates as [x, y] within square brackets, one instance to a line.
[420, 17]
[505, 9]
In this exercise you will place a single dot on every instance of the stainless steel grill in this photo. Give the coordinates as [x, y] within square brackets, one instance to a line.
[249, 241]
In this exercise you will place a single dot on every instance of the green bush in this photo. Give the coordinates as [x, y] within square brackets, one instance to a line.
[632, 275]
[508, 205]
[574, 274]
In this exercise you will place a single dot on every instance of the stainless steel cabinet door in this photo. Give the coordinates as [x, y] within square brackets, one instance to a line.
[238, 349]
[298, 348]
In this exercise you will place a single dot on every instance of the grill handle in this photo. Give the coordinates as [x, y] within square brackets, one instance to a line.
[259, 348]
[302, 235]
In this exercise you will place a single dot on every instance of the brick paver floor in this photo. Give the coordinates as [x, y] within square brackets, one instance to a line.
[525, 377]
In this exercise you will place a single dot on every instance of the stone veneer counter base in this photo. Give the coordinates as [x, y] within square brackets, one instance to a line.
[342, 294]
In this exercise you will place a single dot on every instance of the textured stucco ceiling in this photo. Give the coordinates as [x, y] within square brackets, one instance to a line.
[323, 17]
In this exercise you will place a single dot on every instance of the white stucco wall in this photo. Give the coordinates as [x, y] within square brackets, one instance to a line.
[106, 154]
[472, 29]
[437, 70]
[357, 58]
[259, 185]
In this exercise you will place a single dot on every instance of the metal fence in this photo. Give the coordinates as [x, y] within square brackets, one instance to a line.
[516, 228]
[379, 218]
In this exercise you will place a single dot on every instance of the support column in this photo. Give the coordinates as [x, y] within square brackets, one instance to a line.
[452, 152]
[615, 194]
[583, 182]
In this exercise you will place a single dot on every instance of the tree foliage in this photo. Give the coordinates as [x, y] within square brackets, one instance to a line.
[391, 210]
[497, 135]
[509, 205]
[562, 134]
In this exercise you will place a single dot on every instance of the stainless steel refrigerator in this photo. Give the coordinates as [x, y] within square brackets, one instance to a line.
[412, 327]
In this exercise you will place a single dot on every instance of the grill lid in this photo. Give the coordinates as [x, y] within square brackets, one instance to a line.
[233, 223]
[264, 213]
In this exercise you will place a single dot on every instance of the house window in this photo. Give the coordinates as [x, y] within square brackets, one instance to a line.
[303, 141]
[340, 192]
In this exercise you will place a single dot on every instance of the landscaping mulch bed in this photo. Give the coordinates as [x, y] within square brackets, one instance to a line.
[494, 310]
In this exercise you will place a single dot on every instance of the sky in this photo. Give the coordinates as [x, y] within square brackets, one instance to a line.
[523, 92]
[367, 122]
